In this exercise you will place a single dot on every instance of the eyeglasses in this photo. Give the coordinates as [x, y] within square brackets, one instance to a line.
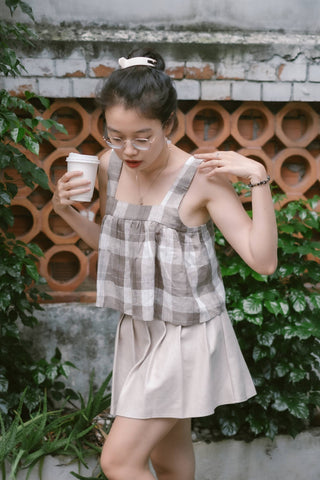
[138, 143]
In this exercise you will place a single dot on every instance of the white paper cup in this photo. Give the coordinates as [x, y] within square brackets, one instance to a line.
[88, 164]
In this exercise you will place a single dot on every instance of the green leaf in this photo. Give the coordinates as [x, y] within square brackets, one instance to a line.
[52, 372]
[252, 304]
[45, 102]
[20, 252]
[236, 315]
[264, 399]
[282, 369]
[17, 134]
[298, 300]
[257, 424]
[299, 409]
[4, 384]
[296, 404]
[259, 277]
[314, 397]
[4, 407]
[35, 249]
[315, 300]
[39, 377]
[26, 9]
[65, 371]
[5, 300]
[277, 307]
[297, 375]
[271, 429]
[5, 199]
[259, 353]
[265, 338]
[285, 270]
[31, 145]
[302, 330]
[256, 320]
[229, 428]
[280, 405]
[4, 158]
[57, 356]
[3, 126]
[32, 271]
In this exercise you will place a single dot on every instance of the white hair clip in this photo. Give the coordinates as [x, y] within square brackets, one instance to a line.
[135, 61]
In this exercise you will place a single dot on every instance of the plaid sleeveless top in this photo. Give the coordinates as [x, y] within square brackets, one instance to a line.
[151, 265]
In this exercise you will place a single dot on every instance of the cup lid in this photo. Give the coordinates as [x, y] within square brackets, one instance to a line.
[79, 157]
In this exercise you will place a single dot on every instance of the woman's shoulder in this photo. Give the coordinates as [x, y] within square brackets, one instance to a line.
[179, 157]
[104, 160]
[103, 170]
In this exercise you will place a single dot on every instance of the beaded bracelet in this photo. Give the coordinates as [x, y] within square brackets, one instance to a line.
[263, 182]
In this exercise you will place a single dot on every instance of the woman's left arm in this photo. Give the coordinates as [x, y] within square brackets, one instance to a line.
[254, 239]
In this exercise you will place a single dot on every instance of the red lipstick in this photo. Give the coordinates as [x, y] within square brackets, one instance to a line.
[132, 163]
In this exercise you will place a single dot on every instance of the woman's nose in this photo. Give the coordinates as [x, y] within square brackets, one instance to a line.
[129, 148]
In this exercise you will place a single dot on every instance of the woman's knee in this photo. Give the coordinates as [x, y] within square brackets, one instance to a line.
[116, 467]
[174, 470]
[113, 470]
[109, 465]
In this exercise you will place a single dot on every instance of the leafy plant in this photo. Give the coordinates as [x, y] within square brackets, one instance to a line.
[25, 443]
[9, 62]
[21, 133]
[276, 319]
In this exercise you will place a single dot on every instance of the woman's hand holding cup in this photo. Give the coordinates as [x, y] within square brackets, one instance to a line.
[77, 184]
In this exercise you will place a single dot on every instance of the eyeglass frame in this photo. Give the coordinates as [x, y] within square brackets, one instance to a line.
[149, 142]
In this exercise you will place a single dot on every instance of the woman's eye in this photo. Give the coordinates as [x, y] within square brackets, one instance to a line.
[116, 139]
[141, 141]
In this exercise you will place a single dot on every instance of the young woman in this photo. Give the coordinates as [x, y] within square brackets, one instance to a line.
[176, 355]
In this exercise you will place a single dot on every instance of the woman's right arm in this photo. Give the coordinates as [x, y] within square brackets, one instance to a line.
[62, 203]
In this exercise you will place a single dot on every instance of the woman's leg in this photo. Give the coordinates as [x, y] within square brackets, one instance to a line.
[126, 452]
[173, 456]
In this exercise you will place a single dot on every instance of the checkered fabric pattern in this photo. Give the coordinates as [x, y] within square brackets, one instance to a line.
[153, 267]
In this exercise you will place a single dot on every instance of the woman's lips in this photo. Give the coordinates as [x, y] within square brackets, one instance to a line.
[132, 163]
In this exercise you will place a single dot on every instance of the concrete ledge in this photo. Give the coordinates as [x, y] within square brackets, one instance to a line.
[284, 458]
[201, 34]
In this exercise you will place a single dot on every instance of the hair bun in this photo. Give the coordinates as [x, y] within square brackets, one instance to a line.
[149, 53]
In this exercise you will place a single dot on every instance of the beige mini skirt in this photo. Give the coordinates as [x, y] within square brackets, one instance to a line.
[164, 370]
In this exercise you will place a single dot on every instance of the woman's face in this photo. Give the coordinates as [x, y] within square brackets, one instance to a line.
[130, 127]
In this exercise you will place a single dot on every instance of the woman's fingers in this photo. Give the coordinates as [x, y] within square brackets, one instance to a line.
[212, 163]
[230, 162]
[208, 156]
[69, 176]
[68, 185]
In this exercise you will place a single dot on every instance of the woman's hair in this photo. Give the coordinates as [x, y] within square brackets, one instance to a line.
[147, 89]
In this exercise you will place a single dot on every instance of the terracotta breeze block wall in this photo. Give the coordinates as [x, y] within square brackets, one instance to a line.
[283, 136]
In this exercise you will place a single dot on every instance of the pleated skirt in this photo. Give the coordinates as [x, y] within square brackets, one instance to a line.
[164, 370]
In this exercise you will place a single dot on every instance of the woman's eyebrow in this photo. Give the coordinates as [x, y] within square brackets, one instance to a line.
[142, 130]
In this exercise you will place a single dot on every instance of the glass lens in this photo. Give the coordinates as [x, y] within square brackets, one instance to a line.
[141, 143]
[137, 143]
[112, 145]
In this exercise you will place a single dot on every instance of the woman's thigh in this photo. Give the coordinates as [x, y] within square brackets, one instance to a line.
[173, 455]
[131, 441]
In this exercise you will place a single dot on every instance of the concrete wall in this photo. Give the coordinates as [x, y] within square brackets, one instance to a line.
[83, 333]
[246, 50]
[285, 15]
[284, 458]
